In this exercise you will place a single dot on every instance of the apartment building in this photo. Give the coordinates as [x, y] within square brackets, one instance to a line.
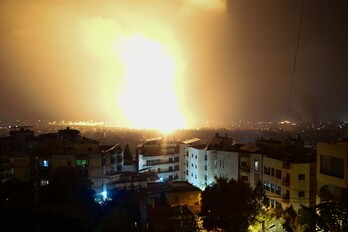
[34, 158]
[161, 156]
[250, 164]
[183, 151]
[289, 179]
[222, 157]
[332, 168]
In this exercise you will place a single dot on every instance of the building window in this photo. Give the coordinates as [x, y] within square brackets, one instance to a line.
[82, 163]
[153, 162]
[205, 177]
[176, 159]
[301, 176]
[191, 174]
[267, 185]
[195, 156]
[170, 169]
[170, 160]
[186, 172]
[332, 166]
[191, 165]
[187, 164]
[44, 182]
[195, 176]
[278, 174]
[301, 194]
[278, 190]
[44, 163]
[257, 166]
[205, 157]
[176, 167]
[266, 170]
[272, 188]
[195, 166]
[192, 155]
[272, 172]
[205, 167]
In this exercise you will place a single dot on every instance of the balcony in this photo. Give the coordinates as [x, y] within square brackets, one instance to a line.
[286, 198]
[244, 168]
[286, 181]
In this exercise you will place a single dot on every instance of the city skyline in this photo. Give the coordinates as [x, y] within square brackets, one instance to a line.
[181, 63]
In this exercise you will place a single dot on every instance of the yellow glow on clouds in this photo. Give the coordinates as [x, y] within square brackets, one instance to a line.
[143, 61]
[148, 95]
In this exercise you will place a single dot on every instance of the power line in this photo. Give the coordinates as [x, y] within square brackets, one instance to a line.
[295, 62]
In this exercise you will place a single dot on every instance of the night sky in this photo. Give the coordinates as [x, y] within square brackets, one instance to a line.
[236, 58]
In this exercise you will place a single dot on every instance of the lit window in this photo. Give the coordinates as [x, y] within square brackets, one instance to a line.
[267, 185]
[44, 163]
[278, 174]
[44, 182]
[266, 170]
[257, 166]
[81, 163]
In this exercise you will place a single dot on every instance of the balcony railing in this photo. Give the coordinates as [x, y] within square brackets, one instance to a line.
[286, 181]
[286, 198]
[160, 163]
[166, 171]
[245, 168]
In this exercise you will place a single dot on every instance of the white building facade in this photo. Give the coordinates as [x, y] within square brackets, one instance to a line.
[161, 156]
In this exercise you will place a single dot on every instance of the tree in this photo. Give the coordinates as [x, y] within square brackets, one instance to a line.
[328, 215]
[183, 220]
[67, 202]
[127, 153]
[229, 205]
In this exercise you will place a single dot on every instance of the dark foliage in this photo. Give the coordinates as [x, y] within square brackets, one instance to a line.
[328, 215]
[229, 205]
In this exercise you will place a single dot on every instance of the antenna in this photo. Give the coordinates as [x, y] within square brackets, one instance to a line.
[295, 63]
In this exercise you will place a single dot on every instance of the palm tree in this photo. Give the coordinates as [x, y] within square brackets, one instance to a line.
[328, 215]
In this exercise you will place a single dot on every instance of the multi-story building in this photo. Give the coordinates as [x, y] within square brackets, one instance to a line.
[113, 159]
[183, 151]
[289, 178]
[161, 156]
[222, 157]
[250, 164]
[68, 148]
[332, 168]
[20, 145]
[195, 166]
[34, 158]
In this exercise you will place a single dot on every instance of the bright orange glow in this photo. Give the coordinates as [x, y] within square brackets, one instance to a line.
[148, 96]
